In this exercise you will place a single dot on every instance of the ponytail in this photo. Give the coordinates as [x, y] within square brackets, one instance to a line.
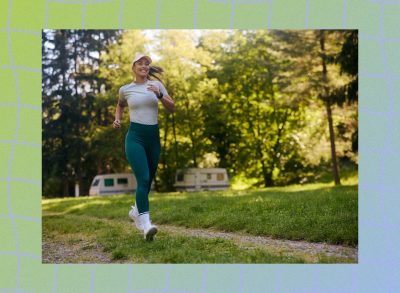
[154, 71]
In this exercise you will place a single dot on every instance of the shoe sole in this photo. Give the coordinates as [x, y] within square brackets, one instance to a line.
[150, 234]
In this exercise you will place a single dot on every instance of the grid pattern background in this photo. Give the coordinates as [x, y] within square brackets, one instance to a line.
[21, 22]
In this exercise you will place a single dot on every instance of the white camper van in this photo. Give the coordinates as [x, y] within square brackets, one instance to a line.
[109, 184]
[195, 179]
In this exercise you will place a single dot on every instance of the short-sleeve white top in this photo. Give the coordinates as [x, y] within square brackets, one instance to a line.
[142, 103]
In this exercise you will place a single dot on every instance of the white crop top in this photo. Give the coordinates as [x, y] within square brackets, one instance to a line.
[142, 103]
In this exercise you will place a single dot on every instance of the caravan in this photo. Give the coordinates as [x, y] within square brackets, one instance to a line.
[109, 184]
[196, 179]
[118, 183]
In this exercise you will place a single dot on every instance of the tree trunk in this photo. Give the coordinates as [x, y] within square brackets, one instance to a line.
[267, 178]
[335, 168]
[268, 175]
[77, 167]
[192, 139]
[65, 187]
[99, 166]
[175, 142]
[164, 147]
[193, 148]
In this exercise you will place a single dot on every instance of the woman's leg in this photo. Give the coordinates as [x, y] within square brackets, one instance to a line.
[153, 154]
[137, 158]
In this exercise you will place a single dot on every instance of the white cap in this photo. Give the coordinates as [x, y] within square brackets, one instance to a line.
[139, 56]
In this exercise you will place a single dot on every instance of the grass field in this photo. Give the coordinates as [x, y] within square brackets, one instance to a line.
[314, 212]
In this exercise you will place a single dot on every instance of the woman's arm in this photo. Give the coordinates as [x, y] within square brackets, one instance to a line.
[168, 103]
[118, 116]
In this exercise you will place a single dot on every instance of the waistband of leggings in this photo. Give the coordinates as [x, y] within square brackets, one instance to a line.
[139, 126]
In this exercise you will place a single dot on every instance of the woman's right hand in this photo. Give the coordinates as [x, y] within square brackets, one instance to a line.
[116, 123]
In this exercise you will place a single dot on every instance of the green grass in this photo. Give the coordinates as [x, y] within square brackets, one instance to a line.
[321, 215]
[317, 212]
[314, 212]
[125, 244]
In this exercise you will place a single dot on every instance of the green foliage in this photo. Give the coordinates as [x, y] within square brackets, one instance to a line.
[247, 99]
[70, 82]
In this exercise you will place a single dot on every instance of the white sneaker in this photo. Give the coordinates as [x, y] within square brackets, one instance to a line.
[134, 215]
[149, 229]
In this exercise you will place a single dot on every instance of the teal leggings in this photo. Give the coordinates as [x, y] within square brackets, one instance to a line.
[142, 149]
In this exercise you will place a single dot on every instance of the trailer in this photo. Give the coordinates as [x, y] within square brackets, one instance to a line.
[196, 179]
[117, 183]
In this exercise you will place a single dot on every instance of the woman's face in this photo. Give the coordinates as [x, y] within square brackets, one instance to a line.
[141, 67]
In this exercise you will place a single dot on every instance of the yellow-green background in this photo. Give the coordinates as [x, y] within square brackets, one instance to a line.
[21, 22]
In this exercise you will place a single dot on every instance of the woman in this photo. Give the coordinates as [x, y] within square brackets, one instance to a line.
[142, 142]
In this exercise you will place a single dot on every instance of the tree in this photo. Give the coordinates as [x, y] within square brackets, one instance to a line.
[343, 50]
[254, 102]
[182, 131]
[70, 74]
[262, 108]
[348, 61]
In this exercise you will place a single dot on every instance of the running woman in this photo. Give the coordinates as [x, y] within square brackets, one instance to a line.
[142, 142]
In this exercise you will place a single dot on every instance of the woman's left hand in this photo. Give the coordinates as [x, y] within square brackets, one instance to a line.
[154, 89]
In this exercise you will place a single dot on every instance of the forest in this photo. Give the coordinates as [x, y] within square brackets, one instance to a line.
[273, 107]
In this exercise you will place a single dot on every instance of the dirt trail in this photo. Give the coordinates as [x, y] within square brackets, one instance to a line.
[79, 250]
[313, 250]
[75, 249]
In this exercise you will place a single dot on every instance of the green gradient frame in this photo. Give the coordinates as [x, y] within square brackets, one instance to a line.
[21, 22]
